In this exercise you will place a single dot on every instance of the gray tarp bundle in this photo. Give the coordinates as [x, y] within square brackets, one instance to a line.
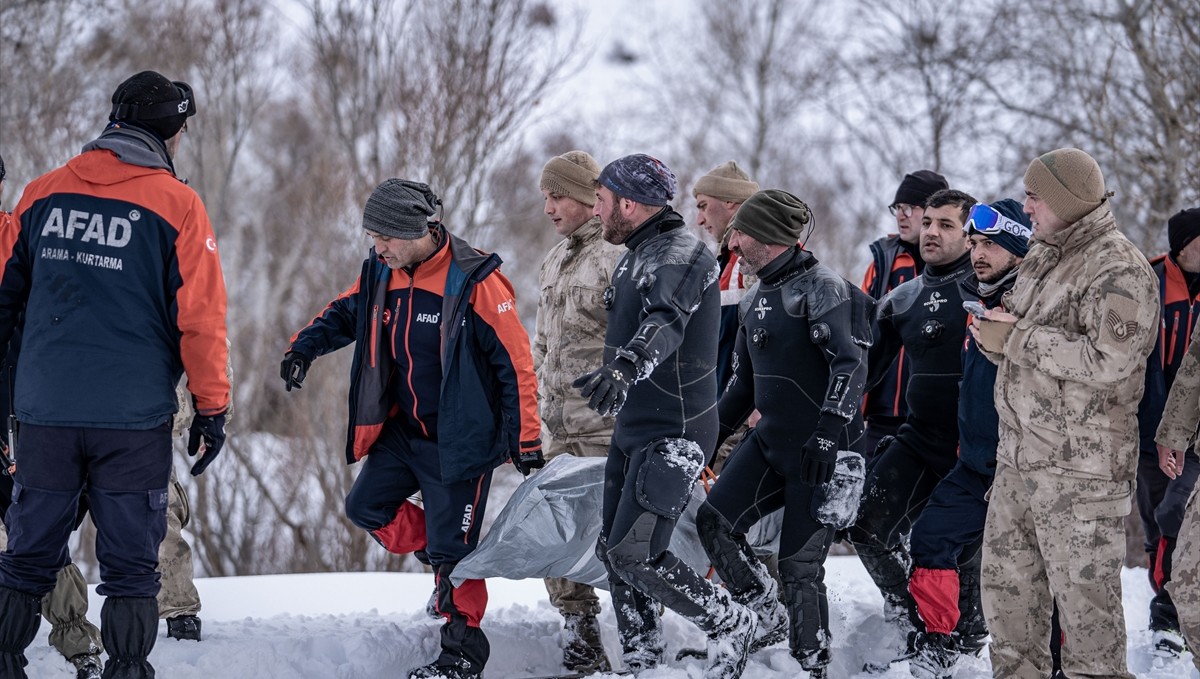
[550, 525]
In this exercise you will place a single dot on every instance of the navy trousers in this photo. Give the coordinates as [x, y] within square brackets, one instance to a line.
[125, 474]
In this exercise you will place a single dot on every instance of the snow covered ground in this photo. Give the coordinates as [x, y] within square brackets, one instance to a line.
[373, 625]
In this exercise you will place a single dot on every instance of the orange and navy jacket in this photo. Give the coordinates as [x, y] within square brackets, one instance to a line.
[887, 399]
[440, 347]
[116, 269]
[1179, 311]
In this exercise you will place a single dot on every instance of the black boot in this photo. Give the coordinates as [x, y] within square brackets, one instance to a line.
[638, 626]
[184, 627]
[129, 627]
[971, 632]
[808, 607]
[890, 569]
[20, 617]
[744, 574]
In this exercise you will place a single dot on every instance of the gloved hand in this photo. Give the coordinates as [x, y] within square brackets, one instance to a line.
[293, 369]
[528, 461]
[819, 454]
[608, 386]
[210, 429]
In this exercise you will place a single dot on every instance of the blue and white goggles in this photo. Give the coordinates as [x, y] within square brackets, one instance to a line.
[985, 219]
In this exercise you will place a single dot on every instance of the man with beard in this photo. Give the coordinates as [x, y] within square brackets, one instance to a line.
[1071, 354]
[947, 537]
[801, 359]
[924, 316]
[659, 380]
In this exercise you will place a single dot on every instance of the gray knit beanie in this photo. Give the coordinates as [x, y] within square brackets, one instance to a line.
[402, 209]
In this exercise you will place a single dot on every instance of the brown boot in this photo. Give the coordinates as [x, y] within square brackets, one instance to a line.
[583, 650]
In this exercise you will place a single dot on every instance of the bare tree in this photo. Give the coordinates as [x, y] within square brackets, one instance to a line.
[1121, 80]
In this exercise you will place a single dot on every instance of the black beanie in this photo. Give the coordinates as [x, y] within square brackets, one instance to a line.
[917, 187]
[151, 101]
[773, 217]
[1182, 228]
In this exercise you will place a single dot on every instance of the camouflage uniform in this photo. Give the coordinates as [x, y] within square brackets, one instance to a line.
[569, 342]
[1069, 381]
[1177, 430]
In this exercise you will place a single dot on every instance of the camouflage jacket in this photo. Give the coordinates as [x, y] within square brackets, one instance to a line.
[1072, 373]
[1177, 429]
[571, 322]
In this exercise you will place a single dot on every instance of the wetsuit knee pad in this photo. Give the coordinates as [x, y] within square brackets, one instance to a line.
[664, 479]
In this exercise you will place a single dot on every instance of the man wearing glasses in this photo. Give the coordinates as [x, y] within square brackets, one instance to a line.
[895, 259]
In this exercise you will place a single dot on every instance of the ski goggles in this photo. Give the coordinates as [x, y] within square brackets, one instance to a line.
[986, 220]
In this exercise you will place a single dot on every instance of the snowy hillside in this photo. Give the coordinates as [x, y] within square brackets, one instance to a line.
[373, 626]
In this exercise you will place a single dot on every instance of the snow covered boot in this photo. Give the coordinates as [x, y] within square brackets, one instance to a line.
[749, 580]
[88, 666]
[436, 671]
[583, 650]
[129, 627]
[184, 627]
[638, 626]
[1168, 643]
[808, 603]
[20, 617]
[729, 642]
[772, 617]
[934, 657]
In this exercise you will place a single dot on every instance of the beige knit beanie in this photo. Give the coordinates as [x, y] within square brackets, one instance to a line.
[573, 174]
[1068, 181]
[726, 182]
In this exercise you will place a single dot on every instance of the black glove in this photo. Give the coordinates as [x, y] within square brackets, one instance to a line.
[608, 386]
[210, 428]
[819, 455]
[528, 461]
[293, 369]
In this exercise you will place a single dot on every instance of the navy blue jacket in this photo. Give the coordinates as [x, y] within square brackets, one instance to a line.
[1179, 311]
[978, 423]
[487, 399]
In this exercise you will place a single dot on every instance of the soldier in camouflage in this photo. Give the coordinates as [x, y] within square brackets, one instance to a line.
[569, 341]
[1176, 434]
[1071, 353]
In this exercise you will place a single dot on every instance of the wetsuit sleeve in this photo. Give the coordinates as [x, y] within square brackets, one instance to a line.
[332, 329]
[846, 351]
[737, 401]
[505, 346]
[200, 313]
[1119, 309]
[1154, 397]
[886, 345]
[667, 305]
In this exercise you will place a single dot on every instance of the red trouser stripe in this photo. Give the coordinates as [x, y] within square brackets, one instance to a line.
[1160, 573]
[406, 533]
[936, 593]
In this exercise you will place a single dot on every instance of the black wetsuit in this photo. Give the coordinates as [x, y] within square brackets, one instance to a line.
[924, 316]
[664, 308]
[800, 354]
